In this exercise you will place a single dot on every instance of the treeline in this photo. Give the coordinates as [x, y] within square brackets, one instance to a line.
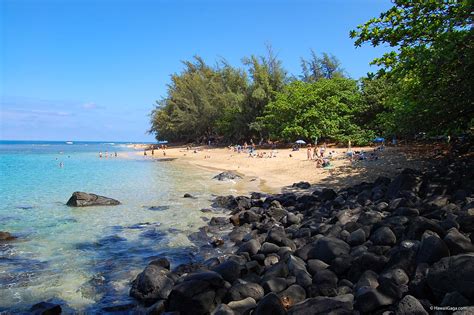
[423, 86]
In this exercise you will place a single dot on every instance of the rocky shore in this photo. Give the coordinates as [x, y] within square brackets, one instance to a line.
[394, 246]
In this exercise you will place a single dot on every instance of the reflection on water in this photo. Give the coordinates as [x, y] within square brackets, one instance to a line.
[87, 257]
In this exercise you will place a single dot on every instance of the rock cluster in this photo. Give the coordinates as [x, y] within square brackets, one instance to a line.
[392, 246]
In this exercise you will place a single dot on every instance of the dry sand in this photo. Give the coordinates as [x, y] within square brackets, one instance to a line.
[277, 173]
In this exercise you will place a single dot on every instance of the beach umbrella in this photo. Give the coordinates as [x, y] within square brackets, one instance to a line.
[379, 140]
[163, 142]
[300, 142]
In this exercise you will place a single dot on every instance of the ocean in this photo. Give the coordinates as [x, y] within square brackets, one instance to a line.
[87, 257]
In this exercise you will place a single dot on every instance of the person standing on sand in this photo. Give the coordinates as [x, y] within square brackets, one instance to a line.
[308, 152]
[152, 151]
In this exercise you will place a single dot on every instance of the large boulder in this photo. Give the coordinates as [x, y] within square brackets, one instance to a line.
[241, 291]
[458, 243]
[224, 176]
[370, 299]
[270, 304]
[383, 236]
[431, 250]
[410, 305]
[154, 283]
[82, 199]
[328, 248]
[229, 270]
[342, 304]
[243, 306]
[198, 293]
[292, 295]
[455, 273]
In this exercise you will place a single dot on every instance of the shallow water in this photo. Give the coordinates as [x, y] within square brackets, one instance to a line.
[87, 257]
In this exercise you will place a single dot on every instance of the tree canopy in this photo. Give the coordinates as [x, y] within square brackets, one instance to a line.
[432, 63]
[423, 85]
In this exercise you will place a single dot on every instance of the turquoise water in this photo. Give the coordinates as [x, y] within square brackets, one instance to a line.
[86, 257]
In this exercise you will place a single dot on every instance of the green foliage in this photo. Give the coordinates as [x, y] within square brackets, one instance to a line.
[199, 102]
[325, 67]
[220, 102]
[327, 108]
[432, 66]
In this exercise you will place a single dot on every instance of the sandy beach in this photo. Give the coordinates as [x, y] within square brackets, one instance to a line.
[287, 167]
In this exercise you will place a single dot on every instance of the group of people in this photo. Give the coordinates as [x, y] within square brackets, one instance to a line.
[319, 155]
[107, 155]
[153, 148]
[365, 156]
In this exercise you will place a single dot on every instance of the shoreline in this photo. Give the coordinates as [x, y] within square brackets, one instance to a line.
[276, 174]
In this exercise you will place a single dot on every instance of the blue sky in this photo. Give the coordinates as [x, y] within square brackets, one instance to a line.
[92, 70]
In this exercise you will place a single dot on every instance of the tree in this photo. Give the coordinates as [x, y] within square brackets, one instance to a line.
[431, 64]
[325, 67]
[197, 100]
[268, 77]
[325, 109]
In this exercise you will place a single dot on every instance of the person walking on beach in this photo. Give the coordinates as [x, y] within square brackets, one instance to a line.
[309, 152]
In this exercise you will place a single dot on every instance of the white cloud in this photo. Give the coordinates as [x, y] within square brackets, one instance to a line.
[91, 106]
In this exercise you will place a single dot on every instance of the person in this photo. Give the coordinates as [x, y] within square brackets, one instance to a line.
[153, 151]
[164, 153]
[321, 151]
[100, 154]
[316, 153]
[326, 162]
[106, 154]
[319, 162]
[144, 152]
[308, 152]
[61, 164]
[115, 153]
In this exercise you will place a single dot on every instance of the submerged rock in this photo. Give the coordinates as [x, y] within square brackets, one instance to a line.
[6, 236]
[82, 199]
[158, 208]
[46, 308]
